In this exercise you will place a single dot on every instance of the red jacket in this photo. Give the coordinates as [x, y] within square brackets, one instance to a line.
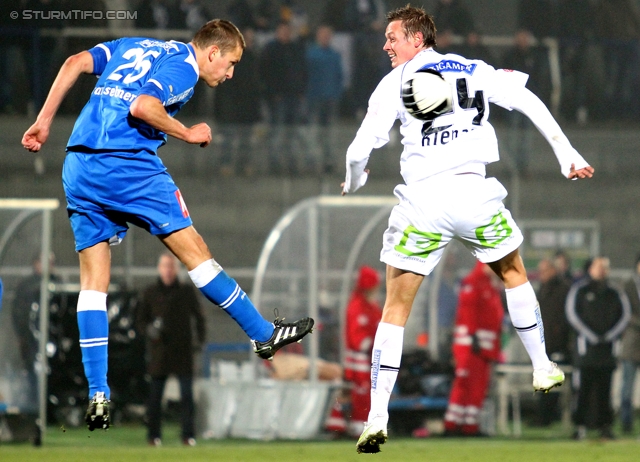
[479, 317]
[363, 318]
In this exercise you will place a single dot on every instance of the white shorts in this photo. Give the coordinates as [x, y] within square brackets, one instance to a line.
[466, 207]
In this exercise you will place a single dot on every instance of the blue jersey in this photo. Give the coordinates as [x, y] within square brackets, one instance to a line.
[128, 68]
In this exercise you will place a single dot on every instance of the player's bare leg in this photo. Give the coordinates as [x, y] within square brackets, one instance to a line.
[402, 287]
[93, 324]
[525, 317]
[220, 289]
[95, 267]
[188, 246]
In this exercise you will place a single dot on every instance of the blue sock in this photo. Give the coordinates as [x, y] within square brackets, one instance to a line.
[93, 325]
[225, 292]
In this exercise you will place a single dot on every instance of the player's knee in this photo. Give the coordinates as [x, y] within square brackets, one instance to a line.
[509, 266]
[396, 313]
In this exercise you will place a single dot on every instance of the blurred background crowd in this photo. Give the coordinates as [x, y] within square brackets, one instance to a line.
[309, 65]
[596, 42]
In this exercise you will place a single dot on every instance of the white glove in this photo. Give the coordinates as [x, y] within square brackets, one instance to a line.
[356, 176]
[567, 155]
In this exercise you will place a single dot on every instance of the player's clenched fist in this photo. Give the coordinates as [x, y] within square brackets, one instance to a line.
[199, 134]
[34, 137]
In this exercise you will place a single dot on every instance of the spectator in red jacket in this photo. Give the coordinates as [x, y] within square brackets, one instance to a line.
[363, 315]
[476, 344]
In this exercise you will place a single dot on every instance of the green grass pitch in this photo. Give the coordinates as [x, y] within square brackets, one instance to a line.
[127, 444]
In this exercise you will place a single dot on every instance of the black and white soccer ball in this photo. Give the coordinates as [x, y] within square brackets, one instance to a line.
[427, 95]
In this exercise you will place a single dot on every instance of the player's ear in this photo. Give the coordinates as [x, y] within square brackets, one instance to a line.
[214, 51]
[418, 38]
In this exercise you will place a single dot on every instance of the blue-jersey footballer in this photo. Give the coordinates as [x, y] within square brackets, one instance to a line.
[113, 178]
[107, 141]
[129, 67]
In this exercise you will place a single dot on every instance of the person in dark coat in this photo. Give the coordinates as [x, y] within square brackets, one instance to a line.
[630, 351]
[474, 48]
[617, 26]
[366, 21]
[237, 111]
[531, 59]
[165, 316]
[283, 69]
[242, 14]
[324, 90]
[26, 319]
[552, 296]
[599, 312]
[454, 15]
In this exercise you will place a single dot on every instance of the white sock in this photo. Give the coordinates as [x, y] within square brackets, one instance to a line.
[524, 311]
[385, 363]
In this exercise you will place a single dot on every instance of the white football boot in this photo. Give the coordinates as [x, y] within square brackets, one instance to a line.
[544, 380]
[373, 435]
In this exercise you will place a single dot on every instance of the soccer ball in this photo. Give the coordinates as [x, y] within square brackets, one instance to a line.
[427, 95]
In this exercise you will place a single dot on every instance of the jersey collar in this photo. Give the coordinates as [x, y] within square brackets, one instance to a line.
[191, 59]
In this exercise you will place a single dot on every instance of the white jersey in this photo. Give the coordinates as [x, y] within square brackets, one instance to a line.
[462, 139]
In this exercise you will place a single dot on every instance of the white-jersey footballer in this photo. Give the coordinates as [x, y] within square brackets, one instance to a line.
[459, 141]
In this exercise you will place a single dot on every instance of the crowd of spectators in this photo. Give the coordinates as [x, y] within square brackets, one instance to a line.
[592, 328]
[591, 323]
[308, 70]
[599, 43]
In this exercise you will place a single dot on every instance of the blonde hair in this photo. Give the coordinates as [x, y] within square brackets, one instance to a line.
[415, 20]
[219, 32]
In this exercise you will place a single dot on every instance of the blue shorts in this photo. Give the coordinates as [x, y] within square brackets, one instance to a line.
[106, 192]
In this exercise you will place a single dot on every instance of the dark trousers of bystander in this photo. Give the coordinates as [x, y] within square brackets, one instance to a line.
[593, 397]
[154, 407]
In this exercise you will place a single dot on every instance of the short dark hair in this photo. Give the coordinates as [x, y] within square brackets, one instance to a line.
[219, 32]
[415, 20]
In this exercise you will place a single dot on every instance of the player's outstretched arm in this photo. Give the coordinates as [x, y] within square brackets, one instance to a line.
[150, 110]
[73, 67]
[572, 164]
